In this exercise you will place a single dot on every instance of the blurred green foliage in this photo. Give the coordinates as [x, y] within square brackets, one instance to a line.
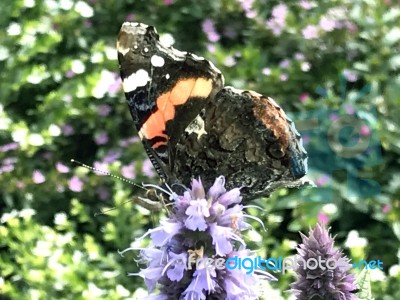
[61, 99]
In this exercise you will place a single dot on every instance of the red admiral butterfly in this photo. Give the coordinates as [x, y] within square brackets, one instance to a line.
[192, 125]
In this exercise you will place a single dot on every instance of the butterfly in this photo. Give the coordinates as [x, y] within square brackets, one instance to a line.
[192, 125]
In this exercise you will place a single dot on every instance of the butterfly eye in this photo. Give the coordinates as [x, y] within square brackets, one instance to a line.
[276, 151]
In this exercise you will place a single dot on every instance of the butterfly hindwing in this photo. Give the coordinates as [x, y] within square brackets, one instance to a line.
[248, 138]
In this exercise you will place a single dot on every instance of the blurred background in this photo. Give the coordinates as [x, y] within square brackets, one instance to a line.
[332, 65]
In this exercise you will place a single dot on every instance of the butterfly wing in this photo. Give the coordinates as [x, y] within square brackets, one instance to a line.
[247, 138]
[165, 89]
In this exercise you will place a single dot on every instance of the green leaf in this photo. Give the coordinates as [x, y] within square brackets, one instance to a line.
[361, 66]
[396, 229]
[392, 15]
[394, 62]
[392, 37]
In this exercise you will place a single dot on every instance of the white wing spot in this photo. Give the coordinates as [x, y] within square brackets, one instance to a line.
[197, 127]
[146, 50]
[196, 57]
[157, 61]
[135, 80]
[167, 76]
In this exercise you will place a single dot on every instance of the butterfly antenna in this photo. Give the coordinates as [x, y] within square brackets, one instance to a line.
[107, 173]
[104, 212]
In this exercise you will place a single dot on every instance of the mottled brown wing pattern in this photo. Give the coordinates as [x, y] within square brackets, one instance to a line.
[247, 138]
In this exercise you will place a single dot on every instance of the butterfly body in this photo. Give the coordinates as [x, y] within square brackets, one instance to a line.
[191, 125]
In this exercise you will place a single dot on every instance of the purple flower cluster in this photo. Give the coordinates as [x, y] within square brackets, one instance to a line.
[247, 6]
[208, 27]
[206, 225]
[7, 165]
[278, 20]
[101, 138]
[322, 283]
[9, 147]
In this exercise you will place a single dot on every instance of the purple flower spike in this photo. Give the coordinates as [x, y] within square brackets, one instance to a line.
[187, 256]
[329, 281]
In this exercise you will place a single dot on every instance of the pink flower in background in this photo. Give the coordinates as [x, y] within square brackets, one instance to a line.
[147, 168]
[111, 156]
[9, 147]
[278, 21]
[386, 208]
[350, 75]
[67, 130]
[208, 25]
[10, 161]
[130, 17]
[211, 48]
[364, 130]
[247, 6]
[322, 218]
[275, 27]
[115, 85]
[284, 64]
[310, 32]
[6, 168]
[251, 13]
[266, 71]
[322, 180]
[61, 168]
[305, 4]
[128, 171]
[306, 139]
[351, 26]
[168, 2]
[303, 97]
[209, 29]
[279, 12]
[70, 74]
[327, 24]
[229, 61]
[101, 138]
[284, 77]
[333, 117]
[213, 37]
[126, 142]
[299, 56]
[75, 184]
[38, 177]
[349, 109]
[102, 167]
[103, 110]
